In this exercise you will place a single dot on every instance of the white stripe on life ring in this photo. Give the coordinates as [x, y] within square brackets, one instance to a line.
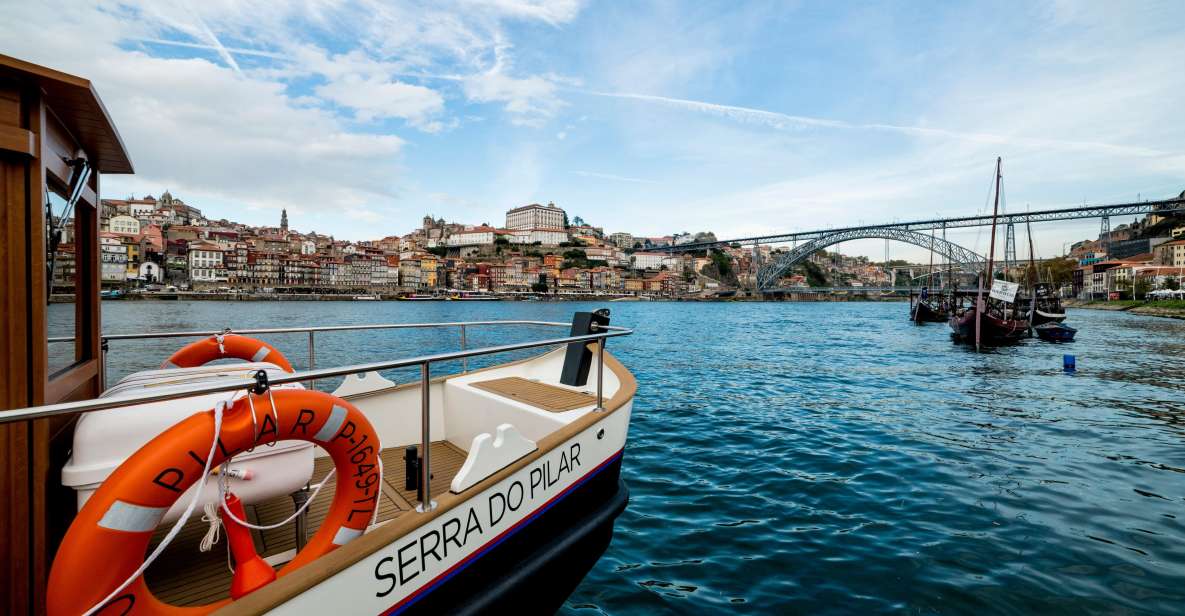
[336, 419]
[260, 354]
[132, 518]
[345, 535]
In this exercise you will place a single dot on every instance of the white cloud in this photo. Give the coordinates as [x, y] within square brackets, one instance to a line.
[550, 11]
[244, 104]
[530, 101]
[204, 130]
[375, 97]
[1083, 107]
[616, 178]
[783, 121]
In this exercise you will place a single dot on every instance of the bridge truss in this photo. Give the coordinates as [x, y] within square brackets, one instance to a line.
[959, 257]
[1072, 213]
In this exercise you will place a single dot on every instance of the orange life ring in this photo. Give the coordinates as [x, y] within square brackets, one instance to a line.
[221, 346]
[109, 538]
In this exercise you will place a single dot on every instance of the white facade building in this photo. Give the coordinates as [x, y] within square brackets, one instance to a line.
[653, 260]
[150, 272]
[535, 216]
[622, 240]
[546, 237]
[123, 224]
[1171, 253]
[472, 236]
[141, 210]
[113, 259]
[205, 262]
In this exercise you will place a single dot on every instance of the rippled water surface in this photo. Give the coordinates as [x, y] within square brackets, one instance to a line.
[835, 458]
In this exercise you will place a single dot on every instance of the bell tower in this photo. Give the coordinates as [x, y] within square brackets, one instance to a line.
[284, 220]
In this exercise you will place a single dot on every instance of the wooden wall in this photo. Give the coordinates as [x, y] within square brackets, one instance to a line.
[34, 508]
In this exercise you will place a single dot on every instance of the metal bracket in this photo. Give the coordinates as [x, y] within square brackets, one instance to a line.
[261, 385]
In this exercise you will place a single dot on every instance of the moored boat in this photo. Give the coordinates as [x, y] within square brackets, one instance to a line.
[474, 297]
[994, 319]
[1039, 316]
[1045, 307]
[1055, 332]
[514, 500]
[926, 310]
[994, 329]
[483, 490]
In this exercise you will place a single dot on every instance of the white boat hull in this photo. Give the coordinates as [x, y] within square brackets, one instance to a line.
[399, 574]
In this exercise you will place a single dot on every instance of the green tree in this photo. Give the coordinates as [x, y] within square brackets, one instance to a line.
[814, 275]
[1143, 286]
[722, 262]
[1059, 271]
[1172, 284]
[539, 287]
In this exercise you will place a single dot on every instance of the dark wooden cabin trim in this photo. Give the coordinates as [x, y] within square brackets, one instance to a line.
[45, 115]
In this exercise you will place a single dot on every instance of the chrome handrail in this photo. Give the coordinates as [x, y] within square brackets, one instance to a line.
[100, 404]
[601, 333]
[325, 328]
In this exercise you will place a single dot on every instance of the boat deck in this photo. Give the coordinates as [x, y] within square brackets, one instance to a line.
[184, 576]
[536, 394]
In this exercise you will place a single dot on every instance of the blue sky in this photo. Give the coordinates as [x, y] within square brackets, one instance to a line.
[649, 117]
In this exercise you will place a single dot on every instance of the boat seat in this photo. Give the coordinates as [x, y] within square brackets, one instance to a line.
[539, 395]
[178, 377]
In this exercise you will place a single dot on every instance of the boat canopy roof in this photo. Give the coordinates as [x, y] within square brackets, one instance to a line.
[77, 105]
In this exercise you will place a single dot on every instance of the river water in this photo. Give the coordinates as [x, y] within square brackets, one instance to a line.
[835, 458]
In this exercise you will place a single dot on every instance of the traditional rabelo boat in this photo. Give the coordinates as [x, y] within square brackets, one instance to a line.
[1044, 306]
[994, 319]
[1047, 306]
[925, 308]
[481, 491]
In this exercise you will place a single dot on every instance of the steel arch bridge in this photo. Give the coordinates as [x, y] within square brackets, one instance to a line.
[960, 258]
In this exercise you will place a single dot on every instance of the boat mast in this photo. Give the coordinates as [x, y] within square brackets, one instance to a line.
[949, 263]
[980, 305]
[930, 272]
[1033, 278]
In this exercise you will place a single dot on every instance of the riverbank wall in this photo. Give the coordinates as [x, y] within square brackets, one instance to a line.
[315, 297]
[1167, 309]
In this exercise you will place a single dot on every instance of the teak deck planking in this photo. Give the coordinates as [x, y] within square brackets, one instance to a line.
[184, 576]
[536, 394]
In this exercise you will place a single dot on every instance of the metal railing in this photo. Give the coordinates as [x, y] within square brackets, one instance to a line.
[424, 362]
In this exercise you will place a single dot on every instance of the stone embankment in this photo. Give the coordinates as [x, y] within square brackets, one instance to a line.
[1169, 309]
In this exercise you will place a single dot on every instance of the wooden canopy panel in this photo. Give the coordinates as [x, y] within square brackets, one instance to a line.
[536, 394]
[77, 105]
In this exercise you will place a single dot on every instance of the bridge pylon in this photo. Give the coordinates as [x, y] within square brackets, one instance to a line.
[1009, 246]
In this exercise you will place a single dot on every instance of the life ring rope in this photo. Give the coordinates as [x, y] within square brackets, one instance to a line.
[177, 526]
[105, 547]
[226, 345]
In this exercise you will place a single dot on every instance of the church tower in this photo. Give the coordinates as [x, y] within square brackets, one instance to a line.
[284, 220]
